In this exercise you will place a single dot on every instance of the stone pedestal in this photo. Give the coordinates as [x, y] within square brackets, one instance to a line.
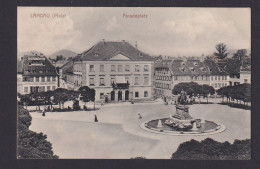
[181, 119]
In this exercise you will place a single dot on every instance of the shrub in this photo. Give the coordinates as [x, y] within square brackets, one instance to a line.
[210, 149]
[31, 144]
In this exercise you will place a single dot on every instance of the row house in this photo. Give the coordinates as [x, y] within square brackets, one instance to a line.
[168, 73]
[117, 71]
[35, 73]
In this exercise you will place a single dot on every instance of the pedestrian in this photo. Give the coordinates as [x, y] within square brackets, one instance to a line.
[140, 117]
[43, 112]
[96, 120]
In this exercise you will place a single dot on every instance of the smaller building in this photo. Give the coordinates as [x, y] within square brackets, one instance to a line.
[218, 76]
[35, 73]
[245, 75]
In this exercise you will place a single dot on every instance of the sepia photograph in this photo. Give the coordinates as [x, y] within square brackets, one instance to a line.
[134, 83]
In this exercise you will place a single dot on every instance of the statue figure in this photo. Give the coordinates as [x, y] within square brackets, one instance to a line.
[182, 99]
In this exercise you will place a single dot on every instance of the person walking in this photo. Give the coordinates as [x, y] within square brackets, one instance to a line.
[43, 112]
[96, 120]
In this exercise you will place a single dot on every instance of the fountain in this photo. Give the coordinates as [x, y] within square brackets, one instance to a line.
[182, 123]
[194, 126]
[159, 124]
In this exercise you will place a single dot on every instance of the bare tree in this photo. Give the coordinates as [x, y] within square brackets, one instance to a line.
[221, 51]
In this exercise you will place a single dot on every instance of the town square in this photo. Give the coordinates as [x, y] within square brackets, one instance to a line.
[175, 84]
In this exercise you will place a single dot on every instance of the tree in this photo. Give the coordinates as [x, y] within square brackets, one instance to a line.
[240, 54]
[37, 97]
[221, 51]
[47, 97]
[87, 94]
[193, 89]
[25, 99]
[206, 90]
[31, 144]
[210, 149]
[61, 95]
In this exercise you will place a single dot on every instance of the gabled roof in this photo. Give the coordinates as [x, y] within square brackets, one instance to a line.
[188, 67]
[184, 66]
[26, 66]
[214, 68]
[67, 68]
[105, 50]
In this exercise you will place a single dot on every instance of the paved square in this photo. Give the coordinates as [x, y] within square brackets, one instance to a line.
[118, 133]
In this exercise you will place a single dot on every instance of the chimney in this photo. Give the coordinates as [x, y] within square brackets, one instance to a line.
[123, 41]
[136, 44]
[103, 40]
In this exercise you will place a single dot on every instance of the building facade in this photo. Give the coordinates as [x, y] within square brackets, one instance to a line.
[245, 75]
[117, 71]
[36, 74]
[168, 73]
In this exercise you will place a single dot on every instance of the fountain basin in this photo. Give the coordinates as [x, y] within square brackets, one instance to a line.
[208, 127]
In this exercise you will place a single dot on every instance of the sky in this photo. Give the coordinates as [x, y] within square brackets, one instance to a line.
[164, 31]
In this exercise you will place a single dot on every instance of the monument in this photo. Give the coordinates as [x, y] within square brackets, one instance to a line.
[181, 123]
[181, 120]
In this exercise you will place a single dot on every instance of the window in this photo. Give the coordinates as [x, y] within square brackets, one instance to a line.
[101, 96]
[102, 82]
[146, 80]
[175, 77]
[112, 80]
[127, 68]
[183, 63]
[25, 89]
[37, 79]
[91, 82]
[53, 78]
[137, 68]
[53, 87]
[48, 88]
[182, 69]
[136, 94]
[216, 78]
[192, 69]
[41, 89]
[211, 78]
[136, 80]
[48, 78]
[127, 79]
[113, 68]
[91, 68]
[245, 80]
[43, 79]
[26, 79]
[31, 79]
[146, 68]
[120, 68]
[102, 68]
[145, 93]
[223, 78]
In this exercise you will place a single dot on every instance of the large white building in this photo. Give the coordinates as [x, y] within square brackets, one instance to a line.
[35, 73]
[117, 71]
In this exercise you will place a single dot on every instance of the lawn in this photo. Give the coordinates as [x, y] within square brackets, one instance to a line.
[118, 134]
